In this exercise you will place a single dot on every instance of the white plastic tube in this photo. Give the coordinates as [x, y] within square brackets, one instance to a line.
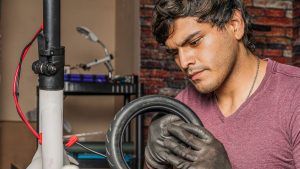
[51, 124]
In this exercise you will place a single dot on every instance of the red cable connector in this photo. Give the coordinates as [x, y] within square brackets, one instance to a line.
[72, 140]
[40, 138]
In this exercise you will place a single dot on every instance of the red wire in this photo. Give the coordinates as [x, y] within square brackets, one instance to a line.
[38, 136]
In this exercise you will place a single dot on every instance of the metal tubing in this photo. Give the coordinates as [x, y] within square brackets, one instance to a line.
[139, 142]
[99, 147]
[52, 23]
[51, 111]
[51, 89]
[127, 135]
[52, 52]
[139, 164]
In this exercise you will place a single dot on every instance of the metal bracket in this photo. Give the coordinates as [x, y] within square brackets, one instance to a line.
[52, 52]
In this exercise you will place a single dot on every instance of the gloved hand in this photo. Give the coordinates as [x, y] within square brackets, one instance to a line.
[197, 148]
[154, 151]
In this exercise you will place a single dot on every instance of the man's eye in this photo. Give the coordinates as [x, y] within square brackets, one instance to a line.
[196, 42]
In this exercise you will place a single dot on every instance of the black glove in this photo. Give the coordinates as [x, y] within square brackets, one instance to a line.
[155, 151]
[197, 149]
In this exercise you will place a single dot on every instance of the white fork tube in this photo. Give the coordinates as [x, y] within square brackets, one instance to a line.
[51, 112]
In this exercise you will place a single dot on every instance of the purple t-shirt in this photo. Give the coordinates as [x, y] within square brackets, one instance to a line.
[264, 133]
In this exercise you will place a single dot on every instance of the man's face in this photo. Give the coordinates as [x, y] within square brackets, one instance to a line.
[206, 54]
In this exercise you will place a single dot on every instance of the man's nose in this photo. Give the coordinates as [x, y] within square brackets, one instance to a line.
[186, 57]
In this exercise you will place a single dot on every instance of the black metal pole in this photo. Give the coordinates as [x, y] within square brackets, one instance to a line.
[127, 135]
[140, 142]
[52, 23]
[50, 67]
[140, 134]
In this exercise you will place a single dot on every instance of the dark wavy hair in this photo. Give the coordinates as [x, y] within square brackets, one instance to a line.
[215, 12]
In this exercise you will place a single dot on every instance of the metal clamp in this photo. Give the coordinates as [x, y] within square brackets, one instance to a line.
[52, 52]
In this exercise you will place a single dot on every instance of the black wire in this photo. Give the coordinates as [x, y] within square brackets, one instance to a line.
[21, 60]
[19, 73]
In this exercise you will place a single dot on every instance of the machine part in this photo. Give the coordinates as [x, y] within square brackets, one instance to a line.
[91, 150]
[86, 134]
[105, 60]
[51, 71]
[99, 147]
[51, 125]
[51, 88]
[153, 103]
[50, 49]
[88, 34]
[44, 68]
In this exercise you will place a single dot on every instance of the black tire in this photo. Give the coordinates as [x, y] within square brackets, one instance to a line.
[152, 103]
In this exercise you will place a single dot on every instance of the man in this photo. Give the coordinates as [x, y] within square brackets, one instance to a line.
[250, 107]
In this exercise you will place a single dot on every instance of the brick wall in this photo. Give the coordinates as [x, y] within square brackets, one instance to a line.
[296, 45]
[278, 38]
[158, 70]
[278, 15]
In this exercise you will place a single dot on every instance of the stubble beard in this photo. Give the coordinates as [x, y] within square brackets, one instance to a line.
[204, 88]
[209, 86]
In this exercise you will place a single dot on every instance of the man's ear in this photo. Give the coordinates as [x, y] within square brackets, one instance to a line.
[237, 25]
